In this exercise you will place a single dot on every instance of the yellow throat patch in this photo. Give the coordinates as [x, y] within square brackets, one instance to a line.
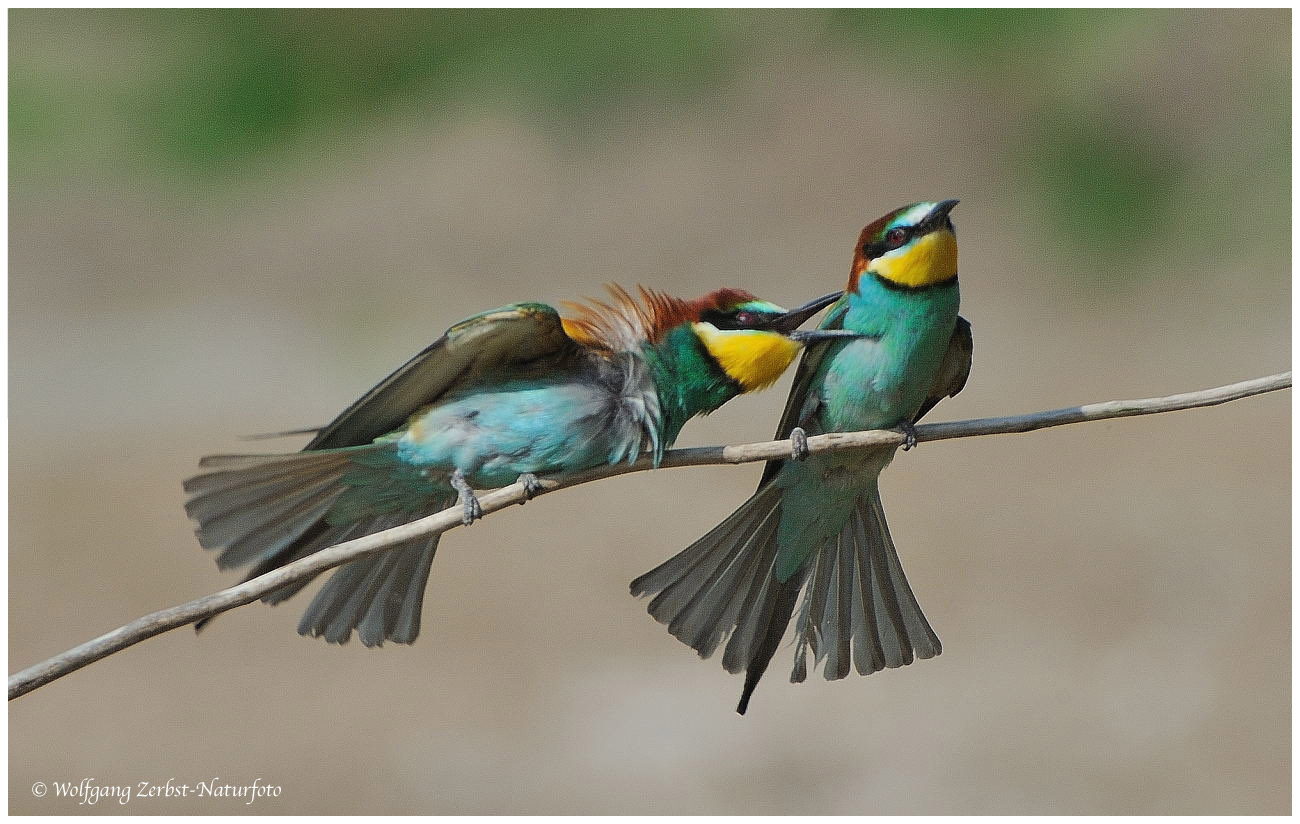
[931, 259]
[752, 358]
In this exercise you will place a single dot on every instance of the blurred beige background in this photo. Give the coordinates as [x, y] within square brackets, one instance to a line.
[1114, 598]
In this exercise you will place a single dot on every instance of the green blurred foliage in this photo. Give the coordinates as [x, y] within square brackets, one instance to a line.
[197, 97]
[1103, 180]
[1099, 164]
[226, 85]
[257, 77]
[977, 38]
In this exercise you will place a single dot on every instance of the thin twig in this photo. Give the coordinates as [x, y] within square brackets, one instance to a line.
[178, 616]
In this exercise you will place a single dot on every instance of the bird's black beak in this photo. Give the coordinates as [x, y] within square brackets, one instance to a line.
[937, 218]
[792, 320]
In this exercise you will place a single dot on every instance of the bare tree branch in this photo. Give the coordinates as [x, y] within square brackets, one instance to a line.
[159, 622]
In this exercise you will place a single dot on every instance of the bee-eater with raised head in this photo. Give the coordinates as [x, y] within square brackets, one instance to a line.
[816, 523]
[508, 394]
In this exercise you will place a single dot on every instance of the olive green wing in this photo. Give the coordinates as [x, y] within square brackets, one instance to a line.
[510, 335]
[953, 370]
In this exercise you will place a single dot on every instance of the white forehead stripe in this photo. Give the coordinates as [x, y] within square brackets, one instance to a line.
[913, 215]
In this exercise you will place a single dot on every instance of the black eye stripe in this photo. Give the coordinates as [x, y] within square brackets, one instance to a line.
[731, 320]
[876, 248]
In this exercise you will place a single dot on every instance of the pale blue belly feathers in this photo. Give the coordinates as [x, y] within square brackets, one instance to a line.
[538, 426]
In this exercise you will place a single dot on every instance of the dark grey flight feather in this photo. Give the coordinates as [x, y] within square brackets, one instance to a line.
[268, 511]
[860, 602]
[288, 433]
[953, 370]
[379, 596]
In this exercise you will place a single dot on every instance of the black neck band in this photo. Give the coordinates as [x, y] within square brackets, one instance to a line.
[900, 287]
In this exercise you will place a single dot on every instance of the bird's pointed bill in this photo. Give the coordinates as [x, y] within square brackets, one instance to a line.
[794, 318]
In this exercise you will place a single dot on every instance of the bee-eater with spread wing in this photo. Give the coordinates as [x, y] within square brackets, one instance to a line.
[816, 523]
[504, 395]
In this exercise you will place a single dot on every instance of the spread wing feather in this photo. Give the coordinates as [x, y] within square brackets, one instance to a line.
[513, 334]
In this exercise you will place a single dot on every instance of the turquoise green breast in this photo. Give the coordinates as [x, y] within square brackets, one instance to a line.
[875, 382]
[881, 381]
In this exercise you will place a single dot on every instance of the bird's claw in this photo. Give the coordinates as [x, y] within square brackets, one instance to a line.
[799, 444]
[473, 511]
[909, 435]
[468, 500]
[532, 486]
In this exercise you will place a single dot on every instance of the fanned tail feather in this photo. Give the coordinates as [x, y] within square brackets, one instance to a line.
[380, 596]
[722, 587]
[266, 511]
[254, 506]
[700, 592]
[857, 608]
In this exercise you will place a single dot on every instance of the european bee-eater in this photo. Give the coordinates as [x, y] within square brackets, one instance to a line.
[504, 395]
[817, 525]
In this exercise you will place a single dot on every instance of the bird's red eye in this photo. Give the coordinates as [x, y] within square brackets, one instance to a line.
[896, 237]
[746, 318]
